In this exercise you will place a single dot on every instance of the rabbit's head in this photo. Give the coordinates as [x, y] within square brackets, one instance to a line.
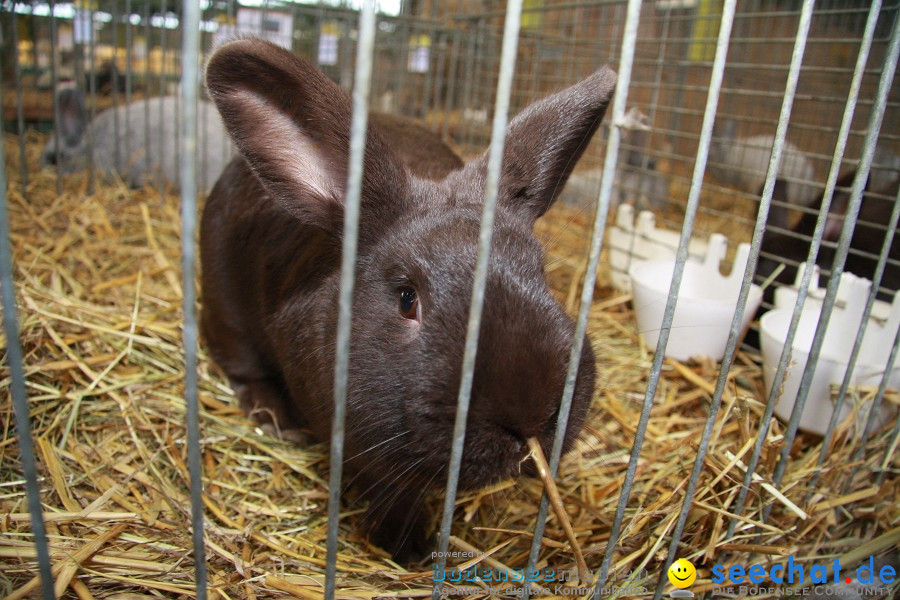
[70, 132]
[418, 242]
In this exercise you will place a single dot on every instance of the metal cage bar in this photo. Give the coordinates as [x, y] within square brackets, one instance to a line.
[92, 105]
[895, 435]
[17, 387]
[114, 90]
[865, 163]
[54, 80]
[876, 404]
[620, 100]
[491, 189]
[781, 370]
[854, 355]
[20, 110]
[190, 75]
[712, 99]
[361, 87]
[735, 333]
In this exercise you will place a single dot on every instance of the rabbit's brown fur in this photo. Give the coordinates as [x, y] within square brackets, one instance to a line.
[271, 238]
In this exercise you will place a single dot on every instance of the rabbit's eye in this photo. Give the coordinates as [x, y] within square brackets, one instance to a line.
[409, 303]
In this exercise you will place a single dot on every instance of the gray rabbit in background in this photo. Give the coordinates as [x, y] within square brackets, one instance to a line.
[121, 146]
[742, 163]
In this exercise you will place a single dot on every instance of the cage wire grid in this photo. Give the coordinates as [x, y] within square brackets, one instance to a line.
[825, 71]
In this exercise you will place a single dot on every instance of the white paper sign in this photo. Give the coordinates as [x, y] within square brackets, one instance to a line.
[82, 27]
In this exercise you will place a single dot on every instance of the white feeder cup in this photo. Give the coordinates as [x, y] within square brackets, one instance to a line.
[706, 301]
[837, 345]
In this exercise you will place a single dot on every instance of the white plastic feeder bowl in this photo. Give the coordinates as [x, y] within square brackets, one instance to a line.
[835, 355]
[706, 301]
[786, 296]
[631, 243]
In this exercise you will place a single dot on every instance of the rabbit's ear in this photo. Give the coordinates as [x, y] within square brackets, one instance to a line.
[546, 140]
[72, 116]
[292, 125]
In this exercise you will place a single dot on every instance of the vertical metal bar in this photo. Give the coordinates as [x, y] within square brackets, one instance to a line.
[20, 109]
[535, 67]
[481, 69]
[403, 66]
[873, 411]
[92, 110]
[78, 66]
[53, 82]
[346, 42]
[440, 66]
[471, 49]
[573, 48]
[146, 153]
[491, 188]
[263, 18]
[363, 80]
[895, 436]
[885, 378]
[654, 101]
[190, 21]
[889, 368]
[226, 147]
[854, 355]
[865, 163]
[712, 99]
[784, 360]
[114, 89]
[468, 85]
[675, 116]
[626, 61]
[17, 389]
[203, 149]
[316, 18]
[759, 228]
[128, 68]
[161, 183]
[129, 38]
[450, 98]
[178, 108]
[432, 62]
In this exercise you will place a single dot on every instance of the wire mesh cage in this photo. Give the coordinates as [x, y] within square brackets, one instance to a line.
[746, 420]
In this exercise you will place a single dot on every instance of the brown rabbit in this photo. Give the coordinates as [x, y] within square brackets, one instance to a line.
[271, 241]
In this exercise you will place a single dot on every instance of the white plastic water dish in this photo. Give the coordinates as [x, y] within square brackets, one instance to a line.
[631, 243]
[835, 355]
[706, 301]
[786, 296]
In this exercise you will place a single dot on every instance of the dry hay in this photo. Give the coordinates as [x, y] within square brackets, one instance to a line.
[100, 312]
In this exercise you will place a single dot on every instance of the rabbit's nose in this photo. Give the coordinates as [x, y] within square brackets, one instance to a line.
[529, 419]
[521, 430]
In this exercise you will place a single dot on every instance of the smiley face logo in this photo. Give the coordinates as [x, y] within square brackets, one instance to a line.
[682, 573]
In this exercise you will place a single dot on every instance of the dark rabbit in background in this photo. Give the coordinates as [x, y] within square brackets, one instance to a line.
[271, 242]
[791, 247]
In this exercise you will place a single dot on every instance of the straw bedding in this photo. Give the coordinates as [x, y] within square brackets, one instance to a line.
[98, 285]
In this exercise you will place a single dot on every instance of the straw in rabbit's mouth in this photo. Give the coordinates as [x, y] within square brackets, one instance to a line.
[537, 455]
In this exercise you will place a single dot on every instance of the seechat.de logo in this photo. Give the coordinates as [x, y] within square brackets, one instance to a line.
[795, 578]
